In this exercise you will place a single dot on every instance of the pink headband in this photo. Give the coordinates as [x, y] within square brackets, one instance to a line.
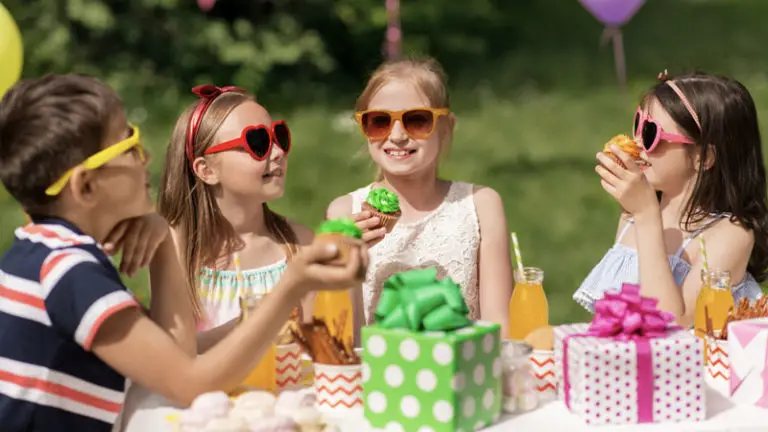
[663, 78]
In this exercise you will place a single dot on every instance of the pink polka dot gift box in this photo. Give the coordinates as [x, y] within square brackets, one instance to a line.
[426, 366]
[630, 365]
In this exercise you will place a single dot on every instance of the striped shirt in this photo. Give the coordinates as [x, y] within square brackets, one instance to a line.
[56, 288]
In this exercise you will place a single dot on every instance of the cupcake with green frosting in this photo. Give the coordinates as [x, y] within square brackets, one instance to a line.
[385, 205]
[336, 231]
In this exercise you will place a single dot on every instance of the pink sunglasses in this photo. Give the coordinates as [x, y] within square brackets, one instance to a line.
[650, 132]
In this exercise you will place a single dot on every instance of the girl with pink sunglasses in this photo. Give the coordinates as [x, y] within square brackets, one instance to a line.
[702, 174]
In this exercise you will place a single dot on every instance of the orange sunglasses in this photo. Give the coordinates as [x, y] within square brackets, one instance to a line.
[418, 123]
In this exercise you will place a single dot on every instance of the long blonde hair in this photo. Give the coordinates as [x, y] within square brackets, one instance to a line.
[428, 77]
[188, 204]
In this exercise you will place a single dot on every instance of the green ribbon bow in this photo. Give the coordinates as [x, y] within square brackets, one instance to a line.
[342, 226]
[383, 200]
[417, 301]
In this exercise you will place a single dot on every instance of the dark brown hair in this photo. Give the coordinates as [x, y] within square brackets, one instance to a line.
[188, 204]
[47, 126]
[736, 183]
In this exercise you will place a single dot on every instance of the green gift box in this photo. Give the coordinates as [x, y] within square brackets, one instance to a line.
[426, 367]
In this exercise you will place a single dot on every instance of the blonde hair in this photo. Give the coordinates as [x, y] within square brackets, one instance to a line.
[428, 77]
[188, 204]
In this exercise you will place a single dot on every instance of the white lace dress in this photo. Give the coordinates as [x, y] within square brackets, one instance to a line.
[448, 239]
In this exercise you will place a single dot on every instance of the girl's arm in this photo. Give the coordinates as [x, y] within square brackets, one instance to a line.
[170, 305]
[729, 247]
[305, 237]
[656, 280]
[631, 189]
[494, 261]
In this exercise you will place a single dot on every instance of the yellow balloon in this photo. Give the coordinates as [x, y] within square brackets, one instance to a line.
[11, 51]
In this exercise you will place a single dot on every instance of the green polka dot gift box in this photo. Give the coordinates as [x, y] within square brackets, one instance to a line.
[426, 366]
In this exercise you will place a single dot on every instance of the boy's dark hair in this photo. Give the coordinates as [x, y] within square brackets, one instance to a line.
[736, 183]
[47, 126]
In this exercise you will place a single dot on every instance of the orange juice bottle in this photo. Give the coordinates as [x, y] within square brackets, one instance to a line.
[528, 308]
[335, 308]
[716, 296]
[263, 376]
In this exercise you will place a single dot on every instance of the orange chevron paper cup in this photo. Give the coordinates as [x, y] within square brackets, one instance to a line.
[288, 371]
[338, 388]
[717, 365]
[543, 368]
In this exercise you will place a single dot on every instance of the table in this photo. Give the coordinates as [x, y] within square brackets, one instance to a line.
[149, 413]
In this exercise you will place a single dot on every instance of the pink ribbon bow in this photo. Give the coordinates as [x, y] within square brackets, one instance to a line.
[625, 316]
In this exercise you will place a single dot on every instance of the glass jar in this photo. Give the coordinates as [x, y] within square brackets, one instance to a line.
[518, 384]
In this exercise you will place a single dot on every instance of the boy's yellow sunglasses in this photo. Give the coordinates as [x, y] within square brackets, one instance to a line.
[101, 158]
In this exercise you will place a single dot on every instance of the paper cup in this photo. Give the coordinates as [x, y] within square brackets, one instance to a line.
[543, 368]
[717, 366]
[288, 370]
[338, 388]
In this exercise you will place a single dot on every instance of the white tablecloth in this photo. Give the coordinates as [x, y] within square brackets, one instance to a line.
[148, 413]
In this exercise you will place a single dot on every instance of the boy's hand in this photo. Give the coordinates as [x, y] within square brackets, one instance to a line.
[310, 270]
[139, 239]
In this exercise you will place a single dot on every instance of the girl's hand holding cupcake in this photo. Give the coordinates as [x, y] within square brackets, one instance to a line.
[627, 185]
[381, 211]
[373, 232]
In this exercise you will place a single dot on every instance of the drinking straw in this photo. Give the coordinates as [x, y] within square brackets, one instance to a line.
[518, 256]
[703, 250]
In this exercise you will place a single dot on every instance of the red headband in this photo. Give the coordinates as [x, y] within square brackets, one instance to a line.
[206, 92]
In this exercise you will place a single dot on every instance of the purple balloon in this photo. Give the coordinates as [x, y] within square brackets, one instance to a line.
[613, 13]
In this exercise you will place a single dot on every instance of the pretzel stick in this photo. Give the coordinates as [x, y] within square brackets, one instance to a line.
[708, 322]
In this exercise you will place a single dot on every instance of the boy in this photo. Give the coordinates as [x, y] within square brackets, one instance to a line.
[70, 332]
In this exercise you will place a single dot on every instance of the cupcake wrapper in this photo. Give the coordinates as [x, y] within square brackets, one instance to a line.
[388, 221]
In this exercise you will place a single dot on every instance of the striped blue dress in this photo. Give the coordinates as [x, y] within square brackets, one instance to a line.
[620, 265]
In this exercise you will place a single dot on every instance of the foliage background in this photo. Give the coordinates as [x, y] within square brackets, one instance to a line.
[534, 93]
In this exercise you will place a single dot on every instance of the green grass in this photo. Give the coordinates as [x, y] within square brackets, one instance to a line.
[529, 123]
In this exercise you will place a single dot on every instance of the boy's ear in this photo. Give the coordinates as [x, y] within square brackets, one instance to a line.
[204, 170]
[82, 187]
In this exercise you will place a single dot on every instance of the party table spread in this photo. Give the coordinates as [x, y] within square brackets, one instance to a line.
[722, 416]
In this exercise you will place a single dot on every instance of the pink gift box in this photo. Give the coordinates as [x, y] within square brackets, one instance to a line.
[748, 351]
[606, 381]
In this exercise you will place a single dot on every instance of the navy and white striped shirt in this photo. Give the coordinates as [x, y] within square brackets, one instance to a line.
[56, 288]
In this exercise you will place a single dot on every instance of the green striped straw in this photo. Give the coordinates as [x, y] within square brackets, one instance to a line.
[518, 255]
[703, 251]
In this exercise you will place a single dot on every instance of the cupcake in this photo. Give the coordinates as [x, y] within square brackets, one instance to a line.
[628, 146]
[385, 205]
[335, 231]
